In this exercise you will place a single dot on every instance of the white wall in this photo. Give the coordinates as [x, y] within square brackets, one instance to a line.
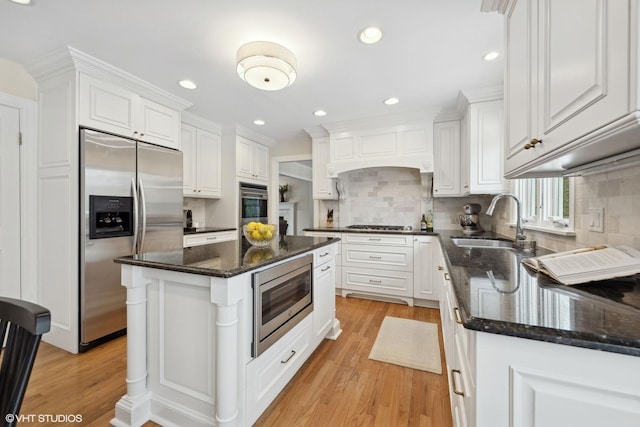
[15, 80]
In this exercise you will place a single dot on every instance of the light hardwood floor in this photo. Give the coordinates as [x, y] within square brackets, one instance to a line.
[337, 386]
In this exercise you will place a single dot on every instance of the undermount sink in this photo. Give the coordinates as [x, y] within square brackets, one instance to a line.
[463, 242]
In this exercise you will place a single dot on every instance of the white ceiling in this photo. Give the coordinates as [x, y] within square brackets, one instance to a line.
[430, 50]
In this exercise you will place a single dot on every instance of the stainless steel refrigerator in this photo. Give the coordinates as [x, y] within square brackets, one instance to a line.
[131, 202]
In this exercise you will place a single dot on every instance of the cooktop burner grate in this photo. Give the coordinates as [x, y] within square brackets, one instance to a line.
[380, 227]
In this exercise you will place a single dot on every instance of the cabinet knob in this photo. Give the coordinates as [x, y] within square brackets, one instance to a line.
[440, 268]
[532, 143]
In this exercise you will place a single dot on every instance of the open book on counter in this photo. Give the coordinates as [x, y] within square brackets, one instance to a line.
[587, 264]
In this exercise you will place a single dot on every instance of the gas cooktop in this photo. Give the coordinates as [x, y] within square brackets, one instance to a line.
[381, 227]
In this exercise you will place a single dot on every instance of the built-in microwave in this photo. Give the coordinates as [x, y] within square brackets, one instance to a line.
[253, 203]
[282, 298]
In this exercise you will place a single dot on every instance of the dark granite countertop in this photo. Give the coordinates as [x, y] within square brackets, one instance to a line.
[351, 230]
[496, 293]
[226, 259]
[198, 230]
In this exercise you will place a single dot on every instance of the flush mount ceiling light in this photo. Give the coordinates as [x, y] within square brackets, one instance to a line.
[370, 35]
[391, 101]
[187, 84]
[490, 56]
[266, 65]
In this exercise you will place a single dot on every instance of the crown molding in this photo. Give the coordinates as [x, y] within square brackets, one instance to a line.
[71, 59]
[191, 119]
[499, 6]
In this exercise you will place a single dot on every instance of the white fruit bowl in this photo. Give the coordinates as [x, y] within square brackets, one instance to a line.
[259, 234]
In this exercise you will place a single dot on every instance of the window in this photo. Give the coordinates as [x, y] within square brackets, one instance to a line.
[546, 203]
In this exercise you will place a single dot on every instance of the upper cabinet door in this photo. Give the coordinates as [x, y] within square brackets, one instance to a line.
[583, 71]
[189, 156]
[519, 96]
[158, 124]
[446, 172]
[106, 107]
[109, 108]
[570, 84]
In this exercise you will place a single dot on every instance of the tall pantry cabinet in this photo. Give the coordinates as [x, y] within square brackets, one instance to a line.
[76, 90]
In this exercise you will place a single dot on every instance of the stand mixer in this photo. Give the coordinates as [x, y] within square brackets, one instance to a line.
[470, 219]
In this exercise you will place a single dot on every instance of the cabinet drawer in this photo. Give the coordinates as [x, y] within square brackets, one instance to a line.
[398, 283]
[268, 374]
[381, 257]
[207, 238]
[378, 239]
[324, 255]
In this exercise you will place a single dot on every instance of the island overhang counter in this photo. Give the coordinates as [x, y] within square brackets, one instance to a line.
[190, 328]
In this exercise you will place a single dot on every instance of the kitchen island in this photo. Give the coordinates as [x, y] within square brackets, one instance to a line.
[190, 327]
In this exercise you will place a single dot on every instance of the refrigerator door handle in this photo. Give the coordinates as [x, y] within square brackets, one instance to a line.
[143, 216]
[134, 191]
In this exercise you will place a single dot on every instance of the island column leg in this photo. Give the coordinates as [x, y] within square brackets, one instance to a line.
[133, 409]
[227, 365]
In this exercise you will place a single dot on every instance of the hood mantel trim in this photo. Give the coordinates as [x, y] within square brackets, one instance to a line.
[423, 163]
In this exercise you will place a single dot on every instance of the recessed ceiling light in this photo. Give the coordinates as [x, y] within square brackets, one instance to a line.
[25, 2]
[370, 35]
[259, 122]
[391, 101]
[490, 56]
[187, 84]
[319, 113]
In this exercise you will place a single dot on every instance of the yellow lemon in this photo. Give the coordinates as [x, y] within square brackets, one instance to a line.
[255, 235]
[268, 235]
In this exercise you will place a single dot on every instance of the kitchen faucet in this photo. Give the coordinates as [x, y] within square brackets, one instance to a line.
[492, 206]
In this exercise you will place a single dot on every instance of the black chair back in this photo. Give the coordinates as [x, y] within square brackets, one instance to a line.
[22, 324]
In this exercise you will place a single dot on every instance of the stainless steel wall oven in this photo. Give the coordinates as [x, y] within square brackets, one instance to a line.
[253, 203]
[282, 298]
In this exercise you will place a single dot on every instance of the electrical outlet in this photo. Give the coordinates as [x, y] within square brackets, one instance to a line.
[596, 219]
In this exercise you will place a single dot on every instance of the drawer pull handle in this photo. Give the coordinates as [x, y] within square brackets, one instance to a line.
[375, 239]
[374, 257]
[440, 268]
[323, 255]
[293, 353]
[456, 314]
[326, 268]
[446, 276]
[375, 281]
[212, 238]
[453, 382]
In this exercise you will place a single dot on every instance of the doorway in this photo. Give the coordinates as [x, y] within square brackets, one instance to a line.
[18, 187]
[295, 173]
[9, 202]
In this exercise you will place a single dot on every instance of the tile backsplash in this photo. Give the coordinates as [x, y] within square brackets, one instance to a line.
[399, 196]
[617, 192]
[390, 196]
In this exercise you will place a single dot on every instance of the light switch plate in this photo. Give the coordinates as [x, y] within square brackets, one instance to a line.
[596, 219]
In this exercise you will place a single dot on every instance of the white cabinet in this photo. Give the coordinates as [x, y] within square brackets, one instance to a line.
[323, 186]
[482, 148]
[324, 282]
[338, 253]
[202, 162]
[425, 285]
[198, 239]
[446, 150]
[111, 108]
[378, 264]
[468, 150]
[252, 160]
[570, 96]
[268, 374]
